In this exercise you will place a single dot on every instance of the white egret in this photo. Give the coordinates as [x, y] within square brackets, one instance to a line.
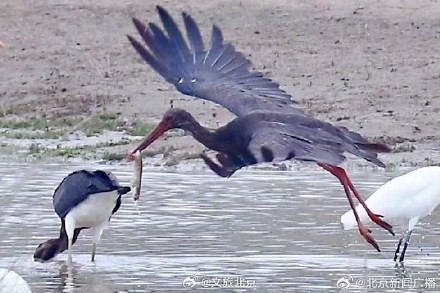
[407, 198]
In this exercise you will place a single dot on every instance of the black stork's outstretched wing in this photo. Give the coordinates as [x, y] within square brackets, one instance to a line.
[217, 73]
[274, 143]
[279, 137]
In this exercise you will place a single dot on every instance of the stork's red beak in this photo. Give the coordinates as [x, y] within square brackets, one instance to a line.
[160, 129]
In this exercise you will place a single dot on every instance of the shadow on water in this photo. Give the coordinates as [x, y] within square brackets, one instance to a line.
[258, 230]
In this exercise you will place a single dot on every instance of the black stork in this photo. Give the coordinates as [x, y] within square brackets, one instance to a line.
[267, 127]
[84, 199]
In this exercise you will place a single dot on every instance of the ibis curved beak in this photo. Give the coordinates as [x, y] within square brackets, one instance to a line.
[160, 129]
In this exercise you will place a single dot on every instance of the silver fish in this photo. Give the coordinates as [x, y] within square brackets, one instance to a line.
[137, 176]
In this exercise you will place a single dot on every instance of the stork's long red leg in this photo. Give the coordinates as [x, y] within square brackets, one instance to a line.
[374, 217]
[364, 231]
[340, 173]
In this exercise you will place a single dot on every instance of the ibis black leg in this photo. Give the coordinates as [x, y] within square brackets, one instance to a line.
[63, 237]
[396, 254]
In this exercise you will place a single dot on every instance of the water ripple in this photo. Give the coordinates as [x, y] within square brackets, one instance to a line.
[280, 229]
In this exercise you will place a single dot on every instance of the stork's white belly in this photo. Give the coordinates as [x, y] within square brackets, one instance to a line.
[97, 208]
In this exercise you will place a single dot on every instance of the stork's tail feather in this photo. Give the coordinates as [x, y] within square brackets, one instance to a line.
[374, 147]
[361, 142]
[357, 145]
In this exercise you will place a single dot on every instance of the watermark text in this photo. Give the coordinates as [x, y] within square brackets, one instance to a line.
[348, 281]
[235, 282]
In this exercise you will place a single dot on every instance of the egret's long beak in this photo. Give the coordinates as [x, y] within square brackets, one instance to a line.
[160, 129]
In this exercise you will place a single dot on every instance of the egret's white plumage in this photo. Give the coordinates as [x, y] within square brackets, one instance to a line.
[11, 282]
[405, 199]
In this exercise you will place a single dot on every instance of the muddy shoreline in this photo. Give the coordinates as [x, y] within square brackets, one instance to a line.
[369, 66]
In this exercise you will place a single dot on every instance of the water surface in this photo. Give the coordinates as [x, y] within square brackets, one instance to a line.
[260, 230]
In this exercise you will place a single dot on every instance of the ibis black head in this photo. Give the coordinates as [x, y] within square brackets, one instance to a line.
[47, 250]
[173, 118]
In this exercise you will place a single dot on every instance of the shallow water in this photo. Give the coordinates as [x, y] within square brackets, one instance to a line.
[265, 231]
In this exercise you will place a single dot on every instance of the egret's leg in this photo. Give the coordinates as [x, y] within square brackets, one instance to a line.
[396, 254]
[93, 252]
[406, 238]
[97, 233]
[400, 270]
[70, 228]
[364, 231]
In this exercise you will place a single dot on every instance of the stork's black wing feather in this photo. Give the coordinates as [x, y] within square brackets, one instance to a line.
[218, 73]
[77, 186]
[275, 142]
[277, 137]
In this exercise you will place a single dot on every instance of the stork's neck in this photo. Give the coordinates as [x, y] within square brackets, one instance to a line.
[201, 134]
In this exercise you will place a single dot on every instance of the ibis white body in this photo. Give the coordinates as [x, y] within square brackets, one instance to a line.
[11, 282]
[84, 199]
[95, 210]
[405, 199]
